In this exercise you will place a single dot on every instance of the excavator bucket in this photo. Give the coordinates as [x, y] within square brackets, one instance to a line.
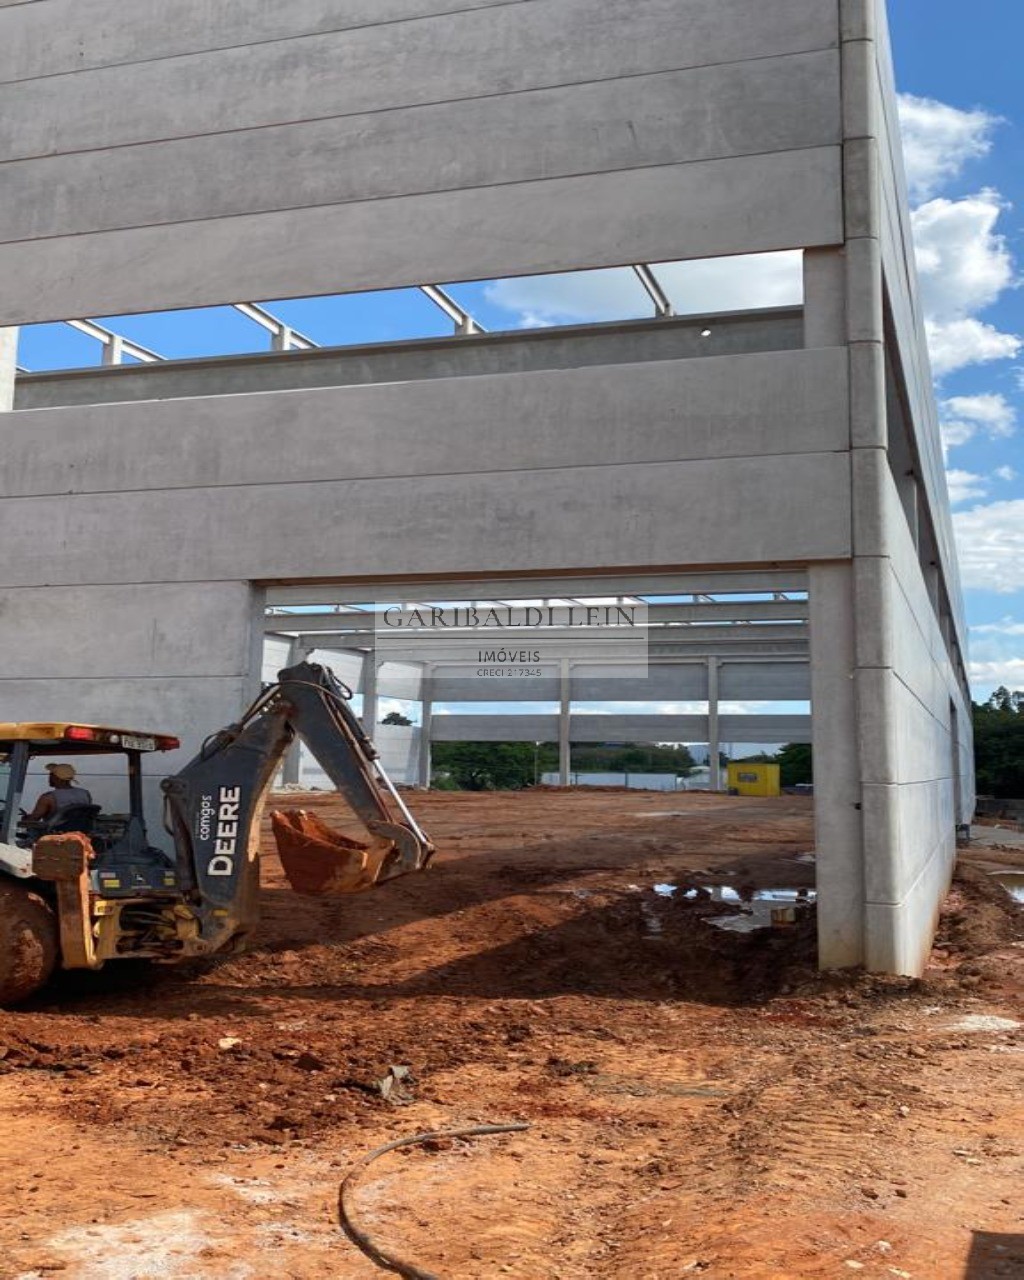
[318, 860]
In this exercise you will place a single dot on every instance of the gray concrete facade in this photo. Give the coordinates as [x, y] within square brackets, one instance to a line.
[182, 154]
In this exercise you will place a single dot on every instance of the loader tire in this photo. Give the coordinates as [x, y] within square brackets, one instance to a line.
[28, 943]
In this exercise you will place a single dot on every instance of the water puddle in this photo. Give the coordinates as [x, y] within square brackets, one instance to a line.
[1012, 882]
[773, 908]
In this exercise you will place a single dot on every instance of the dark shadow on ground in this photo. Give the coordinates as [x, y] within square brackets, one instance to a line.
[995, 1256]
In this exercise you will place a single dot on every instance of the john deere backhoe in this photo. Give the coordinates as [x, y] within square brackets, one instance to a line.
[92, 888]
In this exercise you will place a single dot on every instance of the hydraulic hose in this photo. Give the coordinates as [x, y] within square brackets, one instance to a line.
[359, 1236]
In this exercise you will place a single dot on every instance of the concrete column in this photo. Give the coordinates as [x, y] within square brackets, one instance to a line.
[565, 705]
[426, 722]
[839, 838]
[714, 746]
[369, 716]
[8, 367]
[824, 298]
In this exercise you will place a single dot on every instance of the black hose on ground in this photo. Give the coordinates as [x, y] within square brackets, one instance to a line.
[361, 1238]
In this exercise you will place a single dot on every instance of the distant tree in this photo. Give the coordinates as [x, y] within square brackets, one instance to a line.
[396, 717]
[999, 744]
[674, 758]
[486, 766]
[796, 764]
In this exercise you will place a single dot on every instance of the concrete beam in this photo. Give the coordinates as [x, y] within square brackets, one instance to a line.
[739, 612]
[419, 359]
[763, 405]
[685, 582]
[620, 728]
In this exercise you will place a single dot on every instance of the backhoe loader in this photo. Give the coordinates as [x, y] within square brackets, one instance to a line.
[92, 888]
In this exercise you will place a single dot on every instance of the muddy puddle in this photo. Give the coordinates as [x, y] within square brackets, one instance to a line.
[1012, 882]
[772, 908]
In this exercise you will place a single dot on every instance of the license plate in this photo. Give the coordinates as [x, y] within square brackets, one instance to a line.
[134, 742]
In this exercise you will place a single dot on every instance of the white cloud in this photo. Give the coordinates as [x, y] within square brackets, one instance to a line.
[963, 262]
[695, 288]
[938, 140]
[963, 417]
[1006, 627]
[989, 675]
[959, 343]
[1005, 473]
[964, 485]
[990, 539]
[578, 296]
[734, 284]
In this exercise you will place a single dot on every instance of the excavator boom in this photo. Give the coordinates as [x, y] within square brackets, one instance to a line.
[215, 803]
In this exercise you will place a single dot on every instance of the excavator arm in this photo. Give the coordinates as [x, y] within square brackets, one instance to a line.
[213, 808]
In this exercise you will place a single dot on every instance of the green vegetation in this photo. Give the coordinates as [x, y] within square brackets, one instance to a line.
[797, 765]
[999, 745]
[631, 758]
[510, 766]
[489, 766]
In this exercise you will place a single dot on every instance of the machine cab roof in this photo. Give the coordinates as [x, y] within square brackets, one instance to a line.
[81, 739]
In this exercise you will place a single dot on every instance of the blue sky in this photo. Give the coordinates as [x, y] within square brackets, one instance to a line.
[958, 68]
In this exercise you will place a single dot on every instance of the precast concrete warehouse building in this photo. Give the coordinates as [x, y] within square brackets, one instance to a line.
[771, 479]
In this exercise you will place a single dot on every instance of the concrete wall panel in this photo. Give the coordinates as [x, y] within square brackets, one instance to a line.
[399, 747]
[618, 728]
[489, 728]
[711, 208]
[110, 632]
[622, 515]
[899, 936]
[399, 754]
[764, 728]
[447, 687]
[462, 55]
[400, 680]
[670, 118]
[347, 666]
[179, 705]
[668, 682]
[52, 37]
[769, 681]
[276, 654]
[775, 403]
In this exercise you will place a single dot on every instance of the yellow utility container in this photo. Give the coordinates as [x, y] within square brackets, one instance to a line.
[753, 779]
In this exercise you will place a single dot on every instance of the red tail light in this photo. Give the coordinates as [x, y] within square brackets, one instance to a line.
[79, 733]
[168, 743]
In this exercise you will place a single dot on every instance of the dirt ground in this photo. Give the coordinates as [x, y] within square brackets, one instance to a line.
[701, 1101]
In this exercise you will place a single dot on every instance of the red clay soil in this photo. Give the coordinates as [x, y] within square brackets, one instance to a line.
[701, 1101]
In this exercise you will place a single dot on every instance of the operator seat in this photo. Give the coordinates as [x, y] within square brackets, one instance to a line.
[80, 818]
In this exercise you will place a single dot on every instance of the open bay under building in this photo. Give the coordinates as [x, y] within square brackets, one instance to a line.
[769, 477]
